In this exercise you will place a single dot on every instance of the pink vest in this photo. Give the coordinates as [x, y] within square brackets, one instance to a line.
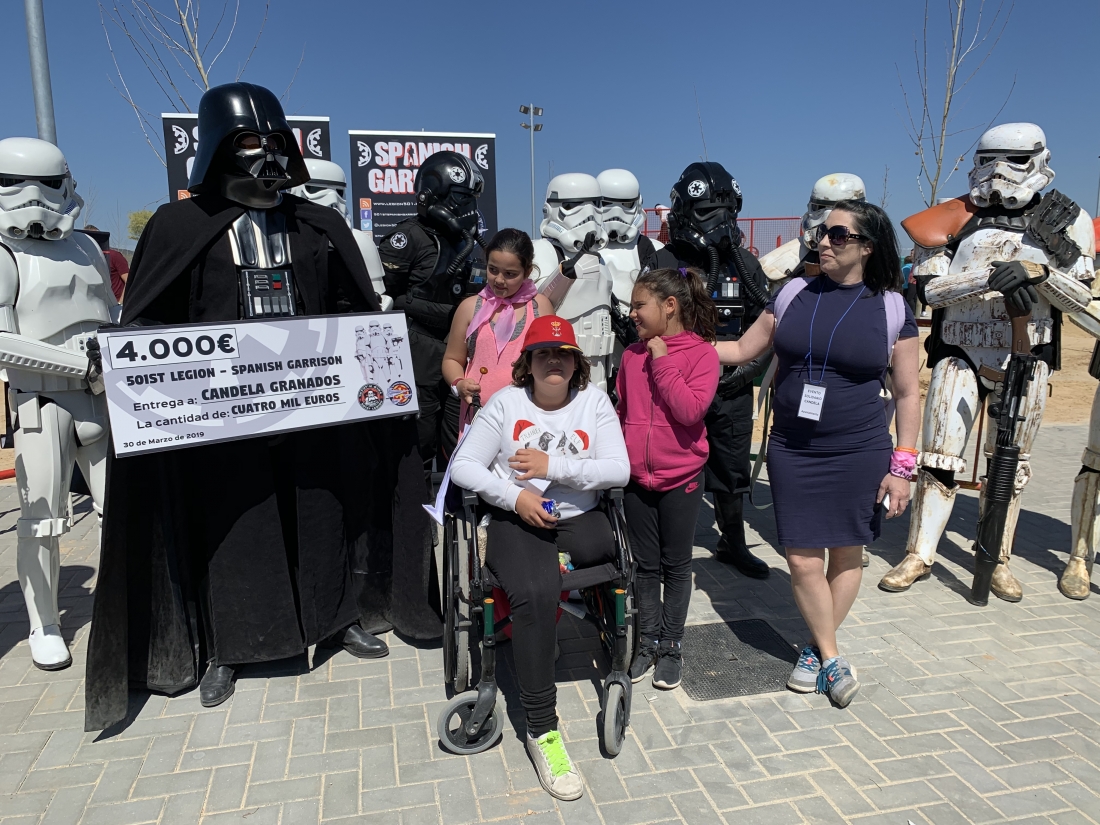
[499, 368]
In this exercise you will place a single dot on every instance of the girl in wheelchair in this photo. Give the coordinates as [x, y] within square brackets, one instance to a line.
[538, 455]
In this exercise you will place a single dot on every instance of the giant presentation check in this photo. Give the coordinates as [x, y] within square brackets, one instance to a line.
[170, 387]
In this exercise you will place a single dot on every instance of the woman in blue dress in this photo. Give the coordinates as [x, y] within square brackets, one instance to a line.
[832, 464]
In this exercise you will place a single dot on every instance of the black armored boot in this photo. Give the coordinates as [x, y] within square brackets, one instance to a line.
[732, 549]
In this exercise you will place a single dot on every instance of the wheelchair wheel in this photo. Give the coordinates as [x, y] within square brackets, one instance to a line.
[613, 729]
[456, 609]
[452, 731]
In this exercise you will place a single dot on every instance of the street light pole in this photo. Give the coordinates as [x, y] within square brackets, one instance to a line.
[533, 111]
[40, 70]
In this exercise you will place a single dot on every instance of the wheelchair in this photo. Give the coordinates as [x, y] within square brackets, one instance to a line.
[471, 722]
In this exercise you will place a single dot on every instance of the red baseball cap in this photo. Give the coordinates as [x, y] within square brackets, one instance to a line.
[550, 331]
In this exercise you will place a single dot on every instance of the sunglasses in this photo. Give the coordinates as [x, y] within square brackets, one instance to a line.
[838, 235]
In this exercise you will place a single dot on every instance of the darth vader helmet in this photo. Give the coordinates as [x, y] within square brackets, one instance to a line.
[247, 151]
[705, 203]
[37, 194]
[447, 187]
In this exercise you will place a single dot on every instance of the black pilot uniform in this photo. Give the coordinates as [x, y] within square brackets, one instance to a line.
[426, 259]
[703, 234]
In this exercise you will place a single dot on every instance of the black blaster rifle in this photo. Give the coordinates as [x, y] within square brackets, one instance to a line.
[1000, 478]
[621, 324]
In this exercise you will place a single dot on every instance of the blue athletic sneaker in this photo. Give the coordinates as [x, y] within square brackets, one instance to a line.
[803, 678]
[837, 681]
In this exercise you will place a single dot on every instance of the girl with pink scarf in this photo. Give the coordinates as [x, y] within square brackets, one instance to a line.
[487, 330]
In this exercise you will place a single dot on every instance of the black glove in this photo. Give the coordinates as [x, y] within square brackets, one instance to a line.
[733, 381]
[95, 366]
[1011, 279]
[569, 266]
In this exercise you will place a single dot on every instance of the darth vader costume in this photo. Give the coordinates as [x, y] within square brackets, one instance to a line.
[252, 550]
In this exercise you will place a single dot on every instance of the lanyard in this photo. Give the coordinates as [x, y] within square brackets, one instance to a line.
[810, 351]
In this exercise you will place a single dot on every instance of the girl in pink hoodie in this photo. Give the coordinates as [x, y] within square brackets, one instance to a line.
[666, 384]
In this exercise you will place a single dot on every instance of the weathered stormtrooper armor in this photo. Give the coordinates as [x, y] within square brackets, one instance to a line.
[327, 187]
[703, 233]
[628, 252]
[248, 155]
[428, 269]
[1002, 242]
[798, 257]
[55, 291]
[1085, 508]
[578, 285]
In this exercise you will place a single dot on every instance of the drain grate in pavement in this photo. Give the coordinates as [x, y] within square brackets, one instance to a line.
[740, 658]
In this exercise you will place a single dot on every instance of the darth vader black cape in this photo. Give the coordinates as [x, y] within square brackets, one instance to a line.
[280, 542]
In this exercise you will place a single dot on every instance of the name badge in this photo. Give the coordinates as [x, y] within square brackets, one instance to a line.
[813, 396]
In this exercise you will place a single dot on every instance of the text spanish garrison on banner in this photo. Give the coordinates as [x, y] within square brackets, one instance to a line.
[384, 166]
[181, 142]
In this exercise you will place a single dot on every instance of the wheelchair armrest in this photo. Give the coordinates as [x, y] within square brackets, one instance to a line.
[469, 499]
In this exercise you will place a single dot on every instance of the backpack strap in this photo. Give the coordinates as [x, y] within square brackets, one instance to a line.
[895, 320]
[786, 295]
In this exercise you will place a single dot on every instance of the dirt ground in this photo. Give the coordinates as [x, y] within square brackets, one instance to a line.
[1070, 402]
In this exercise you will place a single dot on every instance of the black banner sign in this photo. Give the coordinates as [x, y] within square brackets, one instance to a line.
[384, 165]
[181, 140]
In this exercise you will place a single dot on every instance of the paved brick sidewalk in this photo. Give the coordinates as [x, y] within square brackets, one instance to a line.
[966, 715]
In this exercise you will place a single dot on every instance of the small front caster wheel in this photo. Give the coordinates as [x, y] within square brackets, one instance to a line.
[613, 730]
[451, 727]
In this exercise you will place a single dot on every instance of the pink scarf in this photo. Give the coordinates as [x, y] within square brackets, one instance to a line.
[506, 323]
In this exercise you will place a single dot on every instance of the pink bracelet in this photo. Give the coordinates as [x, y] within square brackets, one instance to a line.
[903, 464]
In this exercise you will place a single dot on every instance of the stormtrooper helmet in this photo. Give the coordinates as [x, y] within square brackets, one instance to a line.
[572, 210]
[621, 214]
[37, 194]
[705, 203]
[447, 187]
[326, 186]
[1010, 166]
[827, 193]
[247, 151]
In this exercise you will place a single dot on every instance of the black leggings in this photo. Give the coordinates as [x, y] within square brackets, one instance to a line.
[662, 534]
[524, 560]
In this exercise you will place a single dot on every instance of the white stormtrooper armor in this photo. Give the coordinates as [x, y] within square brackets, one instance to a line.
[55, 292]
[997, 222]
[780, 264]
[327, 187]
[623, 219]
[571, 211]
[1076, 579]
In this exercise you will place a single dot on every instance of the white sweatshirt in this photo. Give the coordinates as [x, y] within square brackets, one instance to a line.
[583, 438]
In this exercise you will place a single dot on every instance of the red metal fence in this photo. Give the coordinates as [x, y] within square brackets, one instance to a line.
[761, 234]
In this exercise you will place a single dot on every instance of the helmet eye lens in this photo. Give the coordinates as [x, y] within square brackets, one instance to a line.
[275, 143]
[11, 181]
[53, 183]
[1019, 160]
[249, 141]
[314, 189]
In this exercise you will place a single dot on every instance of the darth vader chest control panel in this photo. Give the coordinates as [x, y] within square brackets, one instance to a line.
[261, 251]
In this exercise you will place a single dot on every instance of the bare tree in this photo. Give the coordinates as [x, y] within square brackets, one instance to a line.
[885, 188]
[930, 123]
[180, 55]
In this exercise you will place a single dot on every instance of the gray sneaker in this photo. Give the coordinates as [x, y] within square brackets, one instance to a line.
[556, 770]
[838, 681]
[803, 678]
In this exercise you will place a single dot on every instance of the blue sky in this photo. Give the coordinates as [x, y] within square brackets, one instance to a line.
[787, 91]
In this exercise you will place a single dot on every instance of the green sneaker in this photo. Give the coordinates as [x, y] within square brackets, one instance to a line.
[556, 770]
